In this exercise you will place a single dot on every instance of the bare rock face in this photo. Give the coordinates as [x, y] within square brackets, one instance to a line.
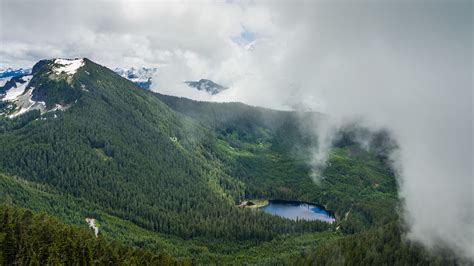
[93, 225]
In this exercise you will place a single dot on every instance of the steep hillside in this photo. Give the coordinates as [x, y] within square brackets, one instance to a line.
[166, 173]
[123, 149]
[206, 85]
[270, 152]
[37, 239]
[379, 246]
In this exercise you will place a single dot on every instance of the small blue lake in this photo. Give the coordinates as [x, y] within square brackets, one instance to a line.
[295, 210]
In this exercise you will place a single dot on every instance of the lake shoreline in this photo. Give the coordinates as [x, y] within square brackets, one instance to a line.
[331, 213]
[261, 203]
[254, 203]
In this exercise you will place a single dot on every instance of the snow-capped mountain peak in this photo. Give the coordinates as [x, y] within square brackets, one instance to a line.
[141, 76]
[8, 73]
[206, 85]
[27, 92]
[18, 88]
[67, 66]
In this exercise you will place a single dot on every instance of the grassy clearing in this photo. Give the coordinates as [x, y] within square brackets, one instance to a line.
[102, 155]
[257, 203]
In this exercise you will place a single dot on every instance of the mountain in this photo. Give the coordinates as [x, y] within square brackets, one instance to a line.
[50, 87]
[107, 147]
[9, 73]
[206, 85]
[163, 174]
[33, 238]
[141, 76]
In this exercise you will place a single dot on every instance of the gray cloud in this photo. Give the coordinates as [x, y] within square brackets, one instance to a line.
[405, 65]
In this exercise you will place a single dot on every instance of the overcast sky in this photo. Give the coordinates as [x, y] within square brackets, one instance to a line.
[406, 65]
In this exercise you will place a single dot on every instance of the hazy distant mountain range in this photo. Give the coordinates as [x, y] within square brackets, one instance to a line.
[206, 85]
[8, 73]
[141, 76]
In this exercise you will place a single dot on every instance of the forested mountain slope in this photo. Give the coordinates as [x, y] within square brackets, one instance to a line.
[383, 245]
[38, 239]
[165, 173]
[120, 147]
[271, 154]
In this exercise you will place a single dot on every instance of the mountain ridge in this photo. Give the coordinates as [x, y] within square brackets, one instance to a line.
[142, 76]
[163, 172]
[206, 85]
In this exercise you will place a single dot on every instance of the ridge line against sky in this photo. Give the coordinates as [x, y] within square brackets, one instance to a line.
[404, 65]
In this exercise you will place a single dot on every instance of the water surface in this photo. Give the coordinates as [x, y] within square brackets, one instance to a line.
[295, 210]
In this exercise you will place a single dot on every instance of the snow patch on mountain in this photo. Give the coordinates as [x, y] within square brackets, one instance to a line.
[18, 89]
[19, 97]
[140, 76]
[4, 81]
[6, 74]
[68, 66]
[24, 103]
[206, 85]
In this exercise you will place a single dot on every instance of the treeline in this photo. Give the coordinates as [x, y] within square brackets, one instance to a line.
[27, 238]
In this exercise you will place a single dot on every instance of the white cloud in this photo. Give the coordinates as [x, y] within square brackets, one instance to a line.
[404, 65]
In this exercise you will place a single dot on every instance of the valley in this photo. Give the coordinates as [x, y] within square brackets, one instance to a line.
[236, 132]
[164, 175]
